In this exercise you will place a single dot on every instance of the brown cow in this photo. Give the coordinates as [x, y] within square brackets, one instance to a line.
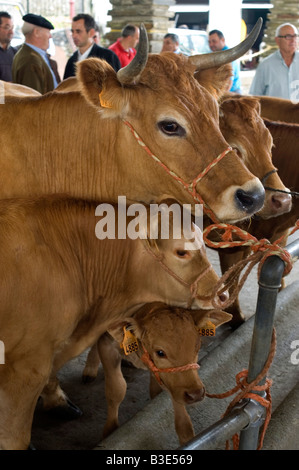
[14, 89]
[242, 126]
[158, 329]
[284, 155]
[62, 288]
[64, 145]
[279, 109]
[244, 130]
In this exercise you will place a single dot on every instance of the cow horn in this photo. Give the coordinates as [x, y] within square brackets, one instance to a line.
[216, 59]
[129, 75]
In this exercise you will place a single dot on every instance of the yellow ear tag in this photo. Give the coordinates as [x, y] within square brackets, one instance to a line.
[208, 329]
[130, 342]
[104, 104]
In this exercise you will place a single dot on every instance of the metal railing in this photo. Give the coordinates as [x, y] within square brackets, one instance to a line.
[248, 416]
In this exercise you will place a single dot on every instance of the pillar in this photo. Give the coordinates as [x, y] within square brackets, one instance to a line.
[154, 14]
[283, 11]
[226, 16]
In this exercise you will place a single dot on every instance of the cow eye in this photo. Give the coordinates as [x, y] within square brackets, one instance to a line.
[171, 128]
[182, 253]
[238, 152]
[161, 353]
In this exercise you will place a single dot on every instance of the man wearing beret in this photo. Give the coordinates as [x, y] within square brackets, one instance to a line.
[31, 65]
[83, 31]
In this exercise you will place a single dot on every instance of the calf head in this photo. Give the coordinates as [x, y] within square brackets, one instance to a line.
[168, 344]
[244, 129]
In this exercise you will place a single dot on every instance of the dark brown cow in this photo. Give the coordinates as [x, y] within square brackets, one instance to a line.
[279, 109]
[242, 126]
[286, 160]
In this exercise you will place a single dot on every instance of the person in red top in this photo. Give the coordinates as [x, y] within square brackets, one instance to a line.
[124, 47]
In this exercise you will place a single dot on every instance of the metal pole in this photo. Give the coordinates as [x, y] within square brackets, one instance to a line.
[269, 284]
[248, 415]
[219, 432]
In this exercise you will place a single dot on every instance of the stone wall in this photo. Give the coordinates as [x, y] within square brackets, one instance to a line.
[154, 14]
[283, 11]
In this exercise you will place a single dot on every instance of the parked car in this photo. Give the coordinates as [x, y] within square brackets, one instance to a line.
[192, 41]
[16, 10]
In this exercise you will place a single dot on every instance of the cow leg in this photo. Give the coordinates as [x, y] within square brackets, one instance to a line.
[57, 402]
[54, 399]
[92, 365]
[20, 388]
[229, 257]
[182, 422]
[115, 384]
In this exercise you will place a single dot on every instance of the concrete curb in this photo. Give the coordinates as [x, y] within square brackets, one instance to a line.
[153, 427]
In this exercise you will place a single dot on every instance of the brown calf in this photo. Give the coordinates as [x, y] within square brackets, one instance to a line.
[168, 344]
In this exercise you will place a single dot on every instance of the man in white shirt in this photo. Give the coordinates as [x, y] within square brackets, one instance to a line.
[278, 74]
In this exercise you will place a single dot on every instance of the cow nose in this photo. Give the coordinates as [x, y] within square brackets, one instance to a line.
[194, 396]
[281, 202]
[222, 298]
[250, 201]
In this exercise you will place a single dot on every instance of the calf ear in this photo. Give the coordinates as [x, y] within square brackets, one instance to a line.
[117, 330]
[217, 317]
[95, 76]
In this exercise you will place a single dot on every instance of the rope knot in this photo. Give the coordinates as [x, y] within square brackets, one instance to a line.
[250, 390]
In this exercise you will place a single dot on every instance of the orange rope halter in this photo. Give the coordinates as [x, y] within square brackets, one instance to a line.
[146, 359]
[190, 187]
[248, 390]
[262, 249]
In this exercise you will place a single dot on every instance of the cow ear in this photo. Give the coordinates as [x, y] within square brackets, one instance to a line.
[96, 77]
[216, 80]
[217, 317]
[117, 330]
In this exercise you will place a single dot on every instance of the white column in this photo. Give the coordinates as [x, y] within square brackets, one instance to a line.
[226, 16]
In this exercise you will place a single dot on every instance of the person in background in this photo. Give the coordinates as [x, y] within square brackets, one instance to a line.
[277, 74]
[124, 47]
[7, 52]
[31, 66]
[217, 43]
[171, 43]
[83, 32]
[97, 34]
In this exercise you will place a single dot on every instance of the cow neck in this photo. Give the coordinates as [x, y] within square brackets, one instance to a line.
[192, 286]
[190, 187]
[147, 360]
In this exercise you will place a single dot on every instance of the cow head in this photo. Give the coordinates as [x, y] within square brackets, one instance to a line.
[244, 129]
[169, 337]
[175, 120]
[175, 261]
